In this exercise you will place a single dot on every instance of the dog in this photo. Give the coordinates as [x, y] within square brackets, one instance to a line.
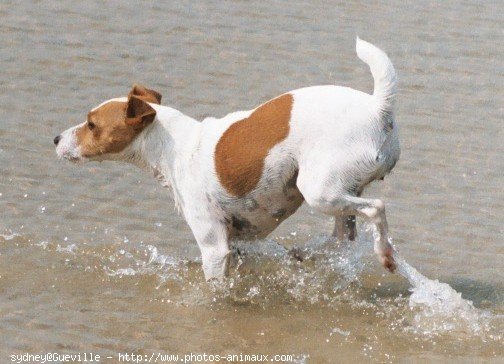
[240, 176]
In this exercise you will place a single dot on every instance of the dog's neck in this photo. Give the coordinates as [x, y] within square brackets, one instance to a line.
[164, 146]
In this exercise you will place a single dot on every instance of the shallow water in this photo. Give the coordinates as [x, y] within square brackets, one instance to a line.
[94, 258]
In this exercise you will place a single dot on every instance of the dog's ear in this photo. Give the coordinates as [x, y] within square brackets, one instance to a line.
[145, 94]
[139, 112]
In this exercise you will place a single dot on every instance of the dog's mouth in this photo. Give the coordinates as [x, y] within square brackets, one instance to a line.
[70, 156]
[74, 159]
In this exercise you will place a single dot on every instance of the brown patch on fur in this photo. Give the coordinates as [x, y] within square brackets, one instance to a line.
[242, 149]
[112, 126]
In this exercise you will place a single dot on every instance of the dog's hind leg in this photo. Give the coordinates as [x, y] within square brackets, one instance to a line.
[334, 202]
[351, 225]
[344, 227]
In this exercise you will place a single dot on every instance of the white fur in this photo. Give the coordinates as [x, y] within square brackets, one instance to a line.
[67, 147]
[340, 140]
[385, 79]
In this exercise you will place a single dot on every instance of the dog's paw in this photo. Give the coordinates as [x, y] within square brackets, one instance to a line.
[297, 254]
[388, 263]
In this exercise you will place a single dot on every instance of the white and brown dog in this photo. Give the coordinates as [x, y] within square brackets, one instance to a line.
[240, 176]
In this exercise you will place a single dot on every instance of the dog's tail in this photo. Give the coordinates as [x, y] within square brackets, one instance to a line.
[385, 79]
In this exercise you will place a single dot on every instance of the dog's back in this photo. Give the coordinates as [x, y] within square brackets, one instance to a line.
[325, 137]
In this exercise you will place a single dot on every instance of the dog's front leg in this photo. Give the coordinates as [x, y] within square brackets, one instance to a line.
[215, 260]
[212, 238]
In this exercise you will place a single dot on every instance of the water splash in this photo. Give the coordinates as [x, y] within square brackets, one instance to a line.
[9, 236]
[163, 266]
[314, 273]
[319, 271]
[439, 308]
[65, 249]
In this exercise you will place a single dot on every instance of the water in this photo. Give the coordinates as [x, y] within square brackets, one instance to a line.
[440, 309]
[94, 258]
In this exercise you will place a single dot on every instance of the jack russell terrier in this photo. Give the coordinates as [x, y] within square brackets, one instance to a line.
[240, 176]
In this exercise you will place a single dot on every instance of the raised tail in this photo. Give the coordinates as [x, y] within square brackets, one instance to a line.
[385, 79]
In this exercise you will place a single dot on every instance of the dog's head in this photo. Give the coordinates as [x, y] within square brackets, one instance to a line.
[110, 127]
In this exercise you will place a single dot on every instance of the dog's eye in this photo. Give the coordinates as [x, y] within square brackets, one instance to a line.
[91, 125]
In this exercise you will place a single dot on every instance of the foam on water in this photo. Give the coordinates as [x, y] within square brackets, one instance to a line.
[67, 249]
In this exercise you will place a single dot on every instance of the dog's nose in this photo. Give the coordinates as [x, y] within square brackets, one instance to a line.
[57, 139]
